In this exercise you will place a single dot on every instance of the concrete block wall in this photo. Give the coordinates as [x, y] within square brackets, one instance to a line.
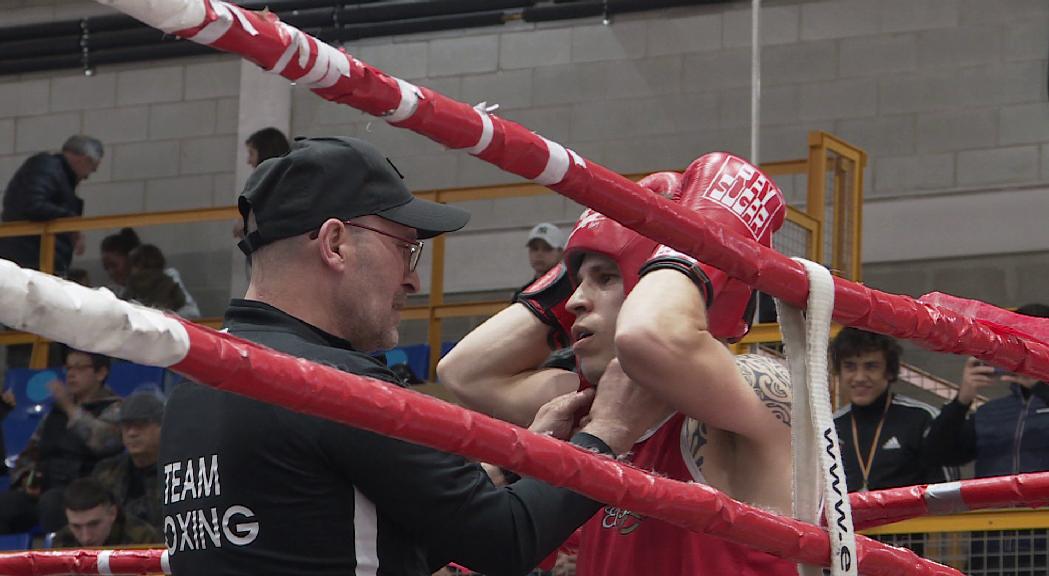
[169, 131]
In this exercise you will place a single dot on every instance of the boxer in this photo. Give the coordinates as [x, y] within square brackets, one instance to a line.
[663, 317]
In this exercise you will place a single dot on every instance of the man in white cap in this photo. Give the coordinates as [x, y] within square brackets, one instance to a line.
[546, 243]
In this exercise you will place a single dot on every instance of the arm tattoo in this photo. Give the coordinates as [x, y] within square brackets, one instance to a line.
[770, 381]
[696, 432]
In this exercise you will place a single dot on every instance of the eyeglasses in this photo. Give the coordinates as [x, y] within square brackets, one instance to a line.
[414, 247]
[79, 367]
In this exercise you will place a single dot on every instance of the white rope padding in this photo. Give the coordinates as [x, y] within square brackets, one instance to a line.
[92, 320]
[813, 433]
[487, 131]
[103, 563]
[167, 15]
[556, 164]
[165, 562]
[408, 104]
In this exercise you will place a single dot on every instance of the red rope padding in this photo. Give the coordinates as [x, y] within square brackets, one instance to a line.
[228, 363]
[516, 149]
[48, 563]
[871, 509]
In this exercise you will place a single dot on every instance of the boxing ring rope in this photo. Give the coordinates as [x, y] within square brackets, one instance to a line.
[106, 562]
[96, 321]
[241, 367]
[870, 509]
[339, 77]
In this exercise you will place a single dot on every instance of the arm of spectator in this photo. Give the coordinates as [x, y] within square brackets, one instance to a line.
[1041, 390]
[950, 439]
[100, 433]
[495, 368]
[7, 403]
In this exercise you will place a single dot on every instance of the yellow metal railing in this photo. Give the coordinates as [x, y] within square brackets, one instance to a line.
[982, 543]
[827, 155]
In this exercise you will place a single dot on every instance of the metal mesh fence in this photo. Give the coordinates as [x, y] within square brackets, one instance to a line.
[982, 553]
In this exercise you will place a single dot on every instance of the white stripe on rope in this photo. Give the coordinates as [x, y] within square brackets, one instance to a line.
[409, 102]
[166, 15]
[487, 130]
[812, 351]
[556, 164]
[103, 562]
[945, 498]
[165, 562]
[93, 320]
[216, 28]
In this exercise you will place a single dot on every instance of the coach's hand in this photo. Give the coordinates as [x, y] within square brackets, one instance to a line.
[623, 411]
[558, 416]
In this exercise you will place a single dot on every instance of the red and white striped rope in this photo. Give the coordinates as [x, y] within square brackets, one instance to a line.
[870, 509]
[103, 562]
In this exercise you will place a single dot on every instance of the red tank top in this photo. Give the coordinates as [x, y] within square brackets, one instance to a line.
[617, 541]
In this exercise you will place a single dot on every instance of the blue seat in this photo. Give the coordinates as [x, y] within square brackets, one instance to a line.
[18, 541]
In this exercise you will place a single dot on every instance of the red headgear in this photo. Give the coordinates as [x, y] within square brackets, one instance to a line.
[629, 250]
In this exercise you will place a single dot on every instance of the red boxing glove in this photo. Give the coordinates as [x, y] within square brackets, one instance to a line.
[737, 194]
[545, 298]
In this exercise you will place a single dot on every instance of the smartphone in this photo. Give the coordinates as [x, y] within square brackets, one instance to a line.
[997, 371]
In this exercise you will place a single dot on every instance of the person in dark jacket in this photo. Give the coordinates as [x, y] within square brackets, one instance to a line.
[253, 488]
[1007, 435]
[44, 188]
[78, 431]
[132, 476]
[7, 403]
[95, 519]
[882, 433]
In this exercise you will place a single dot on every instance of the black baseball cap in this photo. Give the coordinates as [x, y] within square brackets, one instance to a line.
[344, 178]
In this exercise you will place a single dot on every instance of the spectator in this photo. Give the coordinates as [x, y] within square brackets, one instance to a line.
[44, 188]
[1007, 435]
[116, 259]
[95, 519]
[546, 245]
[882, 433]
[7, 403]
[262, 145]
[79, 275]
[265, 144]
[148, 284]
[79, 430]
[132, 477]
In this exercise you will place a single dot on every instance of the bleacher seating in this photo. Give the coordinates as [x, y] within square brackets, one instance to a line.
[17, 541]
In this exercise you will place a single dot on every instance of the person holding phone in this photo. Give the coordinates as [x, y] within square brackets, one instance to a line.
[1007, 435]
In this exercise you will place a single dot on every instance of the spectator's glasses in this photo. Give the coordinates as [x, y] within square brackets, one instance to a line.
[414, 247]
[79, 367]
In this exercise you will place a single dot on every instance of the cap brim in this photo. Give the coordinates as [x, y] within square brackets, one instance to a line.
[428, 218]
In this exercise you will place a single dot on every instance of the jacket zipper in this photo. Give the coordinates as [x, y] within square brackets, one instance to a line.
[1019, 435]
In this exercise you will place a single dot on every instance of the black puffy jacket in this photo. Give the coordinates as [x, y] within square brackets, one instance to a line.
[43, 188]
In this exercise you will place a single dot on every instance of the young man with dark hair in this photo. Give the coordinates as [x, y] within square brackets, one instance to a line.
[79, 430]
[882, 433]
[95, 519]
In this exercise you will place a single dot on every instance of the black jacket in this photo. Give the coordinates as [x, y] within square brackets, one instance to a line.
[1008, 435]
[43, 188]
[252, 488]
[901, 457]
